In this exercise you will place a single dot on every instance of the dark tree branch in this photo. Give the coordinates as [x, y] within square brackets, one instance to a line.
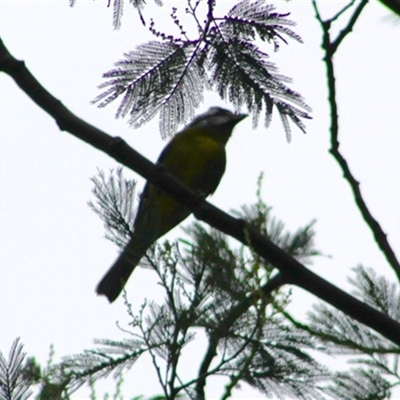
[294, 272]
[340, 12]
[344, 32]
[211, 352]
[329, 48]
[394, 5]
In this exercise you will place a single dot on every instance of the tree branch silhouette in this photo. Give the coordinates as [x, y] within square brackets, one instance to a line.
[329, 47]
[292, 271]
[394, 5]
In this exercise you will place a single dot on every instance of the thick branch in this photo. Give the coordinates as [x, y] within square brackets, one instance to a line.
[294, 272]
[394, 5]
[330, 47]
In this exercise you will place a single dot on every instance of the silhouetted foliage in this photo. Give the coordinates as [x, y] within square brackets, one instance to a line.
[168, 76]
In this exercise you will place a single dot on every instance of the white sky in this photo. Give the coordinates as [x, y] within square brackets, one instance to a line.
[52, 248]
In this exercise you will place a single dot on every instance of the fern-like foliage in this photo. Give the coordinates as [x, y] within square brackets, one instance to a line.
[118, 9]
[13, 382]
[344, 335]
[168, 77]
[359, 384]
[274, 361]
[377, 291]
[256, 347]
[108, 358]
[138, 5]
[114, 204]
[207, 284]
[247, 19]
[299, 244]
[377, 357]
[158, 77]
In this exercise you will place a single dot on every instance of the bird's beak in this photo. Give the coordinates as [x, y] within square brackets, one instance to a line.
[239, 117]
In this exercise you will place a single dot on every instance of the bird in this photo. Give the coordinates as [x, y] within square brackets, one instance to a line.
[195, 156]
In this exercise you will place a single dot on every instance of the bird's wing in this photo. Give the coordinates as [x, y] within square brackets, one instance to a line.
[196, 160]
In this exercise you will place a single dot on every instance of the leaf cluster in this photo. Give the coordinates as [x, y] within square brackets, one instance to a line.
[14, 377]
[169, 76]
[376, 358]
[212, 287]
[114, 204]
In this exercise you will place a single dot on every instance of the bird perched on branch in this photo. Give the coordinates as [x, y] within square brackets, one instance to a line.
[196, 156]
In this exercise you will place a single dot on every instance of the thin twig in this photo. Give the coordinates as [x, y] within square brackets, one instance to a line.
[192, 11]
[349, 27]
[342, 11]
[330, 47]
[258, 329]
[213, 341]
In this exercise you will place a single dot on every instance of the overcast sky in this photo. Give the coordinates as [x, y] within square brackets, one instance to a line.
[52, 248]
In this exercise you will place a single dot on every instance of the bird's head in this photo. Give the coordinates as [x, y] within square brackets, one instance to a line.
[218, 117]
[218, 122]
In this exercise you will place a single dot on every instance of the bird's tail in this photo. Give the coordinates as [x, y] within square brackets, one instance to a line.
[114, 280]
